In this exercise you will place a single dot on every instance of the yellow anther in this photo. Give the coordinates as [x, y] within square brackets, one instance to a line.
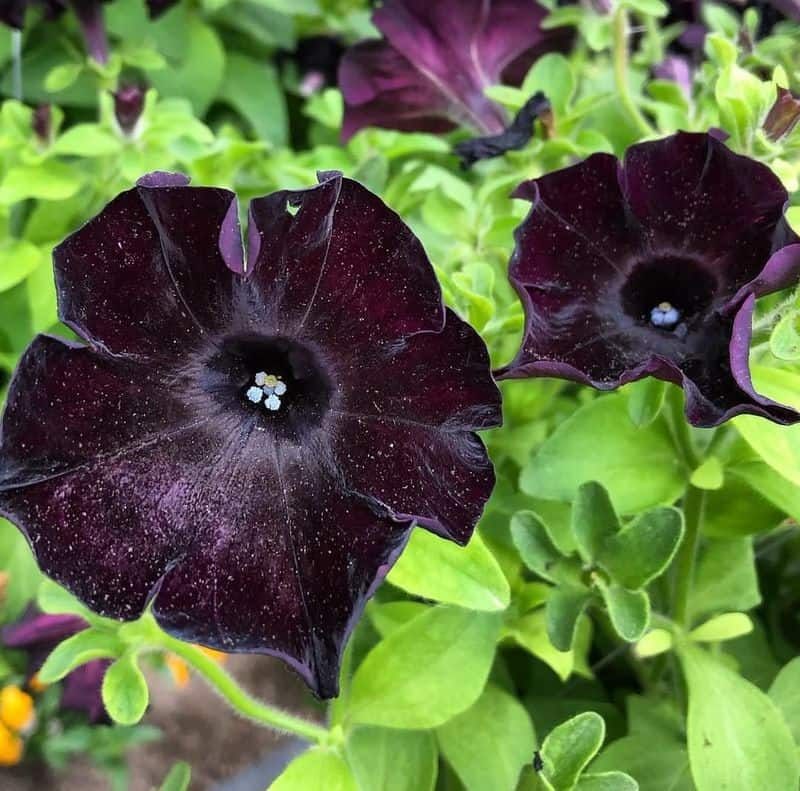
[179, 670]
[271, 380]
[11, 747]
[665, 306]
[16, 709]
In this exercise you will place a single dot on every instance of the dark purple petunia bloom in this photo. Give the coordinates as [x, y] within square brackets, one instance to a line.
[248, 450]
[38, 635]
[650, 267]
[430, 71]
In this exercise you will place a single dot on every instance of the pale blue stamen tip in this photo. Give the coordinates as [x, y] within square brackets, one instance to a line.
[272, 403]
[255, 394]
[664, 315]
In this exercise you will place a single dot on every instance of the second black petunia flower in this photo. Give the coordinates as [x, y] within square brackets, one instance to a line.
[247, 450]
[651, 267]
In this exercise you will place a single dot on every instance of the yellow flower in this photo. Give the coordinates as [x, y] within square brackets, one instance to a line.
[180, 670]
[17, 711]
[11, 747]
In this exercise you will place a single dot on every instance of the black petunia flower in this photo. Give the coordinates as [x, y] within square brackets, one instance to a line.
[650, 267]
[430, 71]
[247, 449]
[38, 634]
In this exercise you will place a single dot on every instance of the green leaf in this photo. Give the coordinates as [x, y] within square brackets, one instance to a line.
[629, 611]
[18, 258]
[78, 650]
[725, 578]
[655, 642]
[198, 76]
[569, 747]
[177, 778]
[642, 550]
[533, 542]
[17, 560]
[784, 342]
[56, 181]
[564, 607]
[607, 781]
[317, 768]
[427, 671]
[778, 446]
[265, 108]
[86, 140]
[645, 401]
[125, 692]
[553, 75]
[493, 761]
[62, 76]
[665, 768]
[393, 760]
[594, 520]
[620, 456]
[727, 626]
[53, 599]
[737, 737]
[709, 475]
[655, 8]
[388, 617]
[785, 694]
[443, 571]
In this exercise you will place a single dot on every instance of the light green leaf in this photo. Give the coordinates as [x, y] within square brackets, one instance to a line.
[388, 617]
[709, 475]
[551, 74]
[62, 76]
[505, 742]
[18, 258]
[78, 650]
[533, 542]
[427, 671]
[642, 550]
[785, 694]
[784, 342]
[663, 769]
[569, 747]
[53, 599]
[17, 560]
[443, 571]
[607, 781]
[629, 611]
[737, 737]
[620, 453]
[86, 140]
[594, 520]
[177, 778]
[645, 401]
[56, 181]
[725, 578]
[393, 760]
[125, 692]
[727, 626]
[779, 446]
[655, 642]
[317, 768]
[564, 607]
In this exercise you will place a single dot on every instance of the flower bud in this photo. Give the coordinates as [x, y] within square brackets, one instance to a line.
[783, 116]
[128, 106]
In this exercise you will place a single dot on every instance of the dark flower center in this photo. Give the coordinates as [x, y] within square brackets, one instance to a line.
[279, 381]
[667, 293]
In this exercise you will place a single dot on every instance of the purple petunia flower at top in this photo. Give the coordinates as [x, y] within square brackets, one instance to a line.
[430, 70]
[247, 449]
[38, 634]
[650, 267]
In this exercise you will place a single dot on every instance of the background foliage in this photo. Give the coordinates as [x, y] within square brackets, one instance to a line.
[628, 608]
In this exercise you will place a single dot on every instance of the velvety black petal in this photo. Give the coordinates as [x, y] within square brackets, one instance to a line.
[643, 270]
[154, 466]
[146, 276]
[436, 61]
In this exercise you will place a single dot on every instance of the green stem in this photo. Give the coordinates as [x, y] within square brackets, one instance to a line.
[241, 701]
[621, 33]
[681, 432]
[693, 508]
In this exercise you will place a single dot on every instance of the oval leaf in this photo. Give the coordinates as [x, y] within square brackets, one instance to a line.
[316, 768]
[393, 760]
[427, 671]
[443, 571]
[78, 650]
[125, 692]
[570, 746]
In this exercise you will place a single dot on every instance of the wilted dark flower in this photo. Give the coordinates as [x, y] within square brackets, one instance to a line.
[783, 115]
[39, 634]
[42, 123]
[677, 69]
[317, 60]
[650, 268]
[128, 106]
[248, 450]
[430, 71]
[516, 136]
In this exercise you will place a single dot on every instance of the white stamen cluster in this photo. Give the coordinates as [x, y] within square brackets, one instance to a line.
[267, 388]
[664, 315]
